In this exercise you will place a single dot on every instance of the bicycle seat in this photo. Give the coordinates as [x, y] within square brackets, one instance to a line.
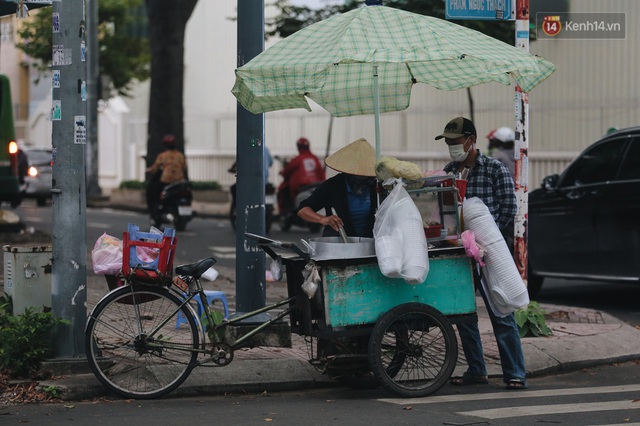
[196, 269]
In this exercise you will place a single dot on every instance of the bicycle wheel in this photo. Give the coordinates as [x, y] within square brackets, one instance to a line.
[413, 350]
[133, 345]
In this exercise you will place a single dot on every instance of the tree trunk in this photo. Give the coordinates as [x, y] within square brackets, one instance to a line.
[167, 23]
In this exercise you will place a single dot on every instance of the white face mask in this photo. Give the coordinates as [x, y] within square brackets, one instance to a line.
[457, 152]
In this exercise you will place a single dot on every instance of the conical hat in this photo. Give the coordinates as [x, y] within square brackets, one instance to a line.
[357, 158]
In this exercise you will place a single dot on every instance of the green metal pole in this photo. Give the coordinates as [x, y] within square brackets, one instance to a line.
[250, 208]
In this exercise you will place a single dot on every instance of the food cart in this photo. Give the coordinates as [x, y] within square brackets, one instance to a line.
[369, 329]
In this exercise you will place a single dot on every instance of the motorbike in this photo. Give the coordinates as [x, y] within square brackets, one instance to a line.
[269, 202]
[288, 213]
[174, 205]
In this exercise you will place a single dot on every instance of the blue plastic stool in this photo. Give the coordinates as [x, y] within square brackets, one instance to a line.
[211, 295]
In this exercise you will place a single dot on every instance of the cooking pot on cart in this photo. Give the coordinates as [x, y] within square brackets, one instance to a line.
[331, 248]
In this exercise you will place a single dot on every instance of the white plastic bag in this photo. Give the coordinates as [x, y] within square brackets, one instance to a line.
[504, 286]
[106, 255]
[401, 246]
[311, 279]
[276, 269]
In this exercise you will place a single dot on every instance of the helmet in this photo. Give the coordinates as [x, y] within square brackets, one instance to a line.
[502, 134]
[169, 140]
[302, 143]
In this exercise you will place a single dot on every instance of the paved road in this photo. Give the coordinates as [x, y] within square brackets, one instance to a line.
[597, 396]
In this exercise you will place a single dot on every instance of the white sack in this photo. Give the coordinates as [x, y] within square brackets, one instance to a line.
[504, 286]
[401, 246]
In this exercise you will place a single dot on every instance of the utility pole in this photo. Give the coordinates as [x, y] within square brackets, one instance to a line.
[93, 60]
[521, 149]
[250, 260]
[69, 119]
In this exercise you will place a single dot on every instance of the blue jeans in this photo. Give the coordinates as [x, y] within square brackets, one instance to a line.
[509, 346]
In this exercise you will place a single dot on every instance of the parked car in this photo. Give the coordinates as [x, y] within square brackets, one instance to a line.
[38, 179]
[583, 223]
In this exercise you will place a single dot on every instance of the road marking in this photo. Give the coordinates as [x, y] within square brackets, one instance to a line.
[537, 410]
[512, 395]
[98, 225]
[223, 252]
[29, 219]
[619, 424]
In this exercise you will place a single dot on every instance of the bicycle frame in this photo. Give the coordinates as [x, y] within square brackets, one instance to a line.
[211, 328]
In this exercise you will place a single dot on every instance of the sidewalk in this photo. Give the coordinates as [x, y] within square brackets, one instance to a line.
[581, 338]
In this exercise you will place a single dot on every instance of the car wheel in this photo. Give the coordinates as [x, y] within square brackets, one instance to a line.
[41, 202]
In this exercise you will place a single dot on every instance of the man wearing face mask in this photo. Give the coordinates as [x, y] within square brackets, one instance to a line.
[489, 180]
[352, 193]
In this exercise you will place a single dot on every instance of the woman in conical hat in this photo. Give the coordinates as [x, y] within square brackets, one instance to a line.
[352, 193]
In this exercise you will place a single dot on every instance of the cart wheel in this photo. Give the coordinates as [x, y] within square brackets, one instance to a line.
[413, 350]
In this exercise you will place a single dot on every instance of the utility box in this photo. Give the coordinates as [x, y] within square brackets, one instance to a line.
[27, 276]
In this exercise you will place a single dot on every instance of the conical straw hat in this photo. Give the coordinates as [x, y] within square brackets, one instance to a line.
[357, 158]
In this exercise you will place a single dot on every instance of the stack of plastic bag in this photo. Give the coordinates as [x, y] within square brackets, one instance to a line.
[502, 282]
[390, 167]
[401, 246]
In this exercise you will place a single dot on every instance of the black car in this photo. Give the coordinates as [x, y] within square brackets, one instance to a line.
[585, 223]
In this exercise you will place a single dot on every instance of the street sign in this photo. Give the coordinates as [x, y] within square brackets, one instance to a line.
[495, 10]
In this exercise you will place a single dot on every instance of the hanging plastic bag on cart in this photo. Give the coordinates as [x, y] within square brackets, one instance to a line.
[276, 268]
[311, 279]
[106, 255]
[401, 246]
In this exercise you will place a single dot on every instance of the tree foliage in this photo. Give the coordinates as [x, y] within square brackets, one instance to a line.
[124, 58]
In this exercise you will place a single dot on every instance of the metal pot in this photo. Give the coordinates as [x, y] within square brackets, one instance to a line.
[329, 248]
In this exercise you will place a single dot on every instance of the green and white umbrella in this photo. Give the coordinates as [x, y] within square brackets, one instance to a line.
[365, 62]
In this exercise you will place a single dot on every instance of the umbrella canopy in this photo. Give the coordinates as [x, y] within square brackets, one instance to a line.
[331, 62]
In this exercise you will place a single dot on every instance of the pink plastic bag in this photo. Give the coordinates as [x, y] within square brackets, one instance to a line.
[106, 255]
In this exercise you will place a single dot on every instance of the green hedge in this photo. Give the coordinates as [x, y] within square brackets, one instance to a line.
[209, 185]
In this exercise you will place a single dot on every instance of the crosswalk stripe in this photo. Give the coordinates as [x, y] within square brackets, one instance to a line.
[537, 410]
[223, 252]
[512, 395]
[619, 424]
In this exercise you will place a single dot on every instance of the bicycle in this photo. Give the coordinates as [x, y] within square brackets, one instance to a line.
[132, 343]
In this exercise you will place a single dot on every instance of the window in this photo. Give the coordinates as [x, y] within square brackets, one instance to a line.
[596, 164]
[631, 161]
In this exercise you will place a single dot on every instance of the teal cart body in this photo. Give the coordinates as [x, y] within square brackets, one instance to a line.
[360, 294]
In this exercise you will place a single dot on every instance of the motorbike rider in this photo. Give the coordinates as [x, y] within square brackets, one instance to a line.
[304, 169]
[501, 145]
[170, 166]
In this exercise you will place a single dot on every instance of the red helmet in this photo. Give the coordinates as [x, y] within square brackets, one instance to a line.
[302, 143]
[169, 140]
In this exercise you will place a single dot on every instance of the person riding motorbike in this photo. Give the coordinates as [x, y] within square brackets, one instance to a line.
[170, 166]
[304, 169]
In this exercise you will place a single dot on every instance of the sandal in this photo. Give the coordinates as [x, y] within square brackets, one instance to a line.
[516, 384]
[468, 379]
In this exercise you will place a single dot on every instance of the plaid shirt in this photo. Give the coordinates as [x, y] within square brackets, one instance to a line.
[491, 181]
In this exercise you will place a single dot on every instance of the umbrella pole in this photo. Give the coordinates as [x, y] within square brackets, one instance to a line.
[376, 108]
